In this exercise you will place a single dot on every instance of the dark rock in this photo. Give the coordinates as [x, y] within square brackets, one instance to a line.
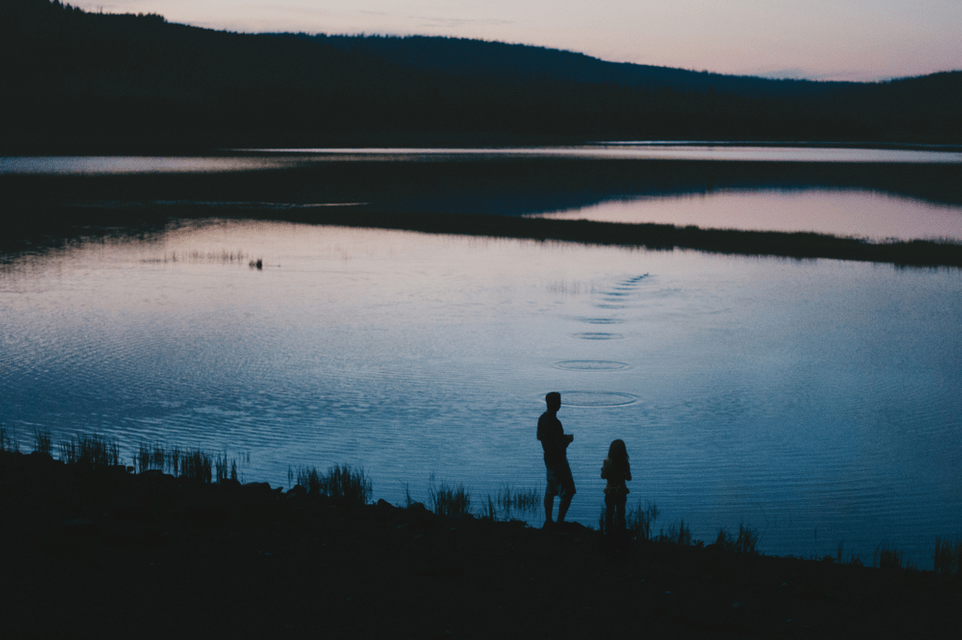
[297, 491]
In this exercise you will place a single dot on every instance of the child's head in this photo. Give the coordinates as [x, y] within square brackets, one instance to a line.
[617, 450]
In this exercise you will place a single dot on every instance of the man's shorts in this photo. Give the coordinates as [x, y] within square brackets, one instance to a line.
[560, 482]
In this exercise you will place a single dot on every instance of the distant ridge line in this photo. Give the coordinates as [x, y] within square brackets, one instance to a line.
[84, 82]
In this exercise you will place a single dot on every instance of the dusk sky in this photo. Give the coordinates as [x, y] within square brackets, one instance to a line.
[819, 39]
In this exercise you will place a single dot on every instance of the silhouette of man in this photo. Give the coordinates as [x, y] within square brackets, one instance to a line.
[555, 443]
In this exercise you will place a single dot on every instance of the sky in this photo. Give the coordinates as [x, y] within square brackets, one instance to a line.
[861, 40]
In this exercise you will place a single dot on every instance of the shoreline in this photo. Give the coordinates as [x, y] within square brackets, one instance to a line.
[104, 551]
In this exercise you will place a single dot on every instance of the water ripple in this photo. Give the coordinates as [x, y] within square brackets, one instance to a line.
[591, 365]
[597, 398]
[602, 320]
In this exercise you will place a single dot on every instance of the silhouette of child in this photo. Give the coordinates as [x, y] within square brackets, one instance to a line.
[616, 470]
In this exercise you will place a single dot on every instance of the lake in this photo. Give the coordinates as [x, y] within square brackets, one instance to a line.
[815, 401]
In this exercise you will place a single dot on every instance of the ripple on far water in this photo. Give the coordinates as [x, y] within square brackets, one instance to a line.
[598, 335]
[597, 398]
[591, 365]
[602, 320]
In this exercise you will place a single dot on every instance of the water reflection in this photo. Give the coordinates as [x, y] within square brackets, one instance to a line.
[641, 150]
[874, 193]
[120, 165]
[862, 214]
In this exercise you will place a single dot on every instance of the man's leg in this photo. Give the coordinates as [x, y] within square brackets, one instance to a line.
[563, 505]
[566, 490]
[549, 505]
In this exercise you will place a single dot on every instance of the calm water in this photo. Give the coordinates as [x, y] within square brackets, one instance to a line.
[817, 401]
[872, 216]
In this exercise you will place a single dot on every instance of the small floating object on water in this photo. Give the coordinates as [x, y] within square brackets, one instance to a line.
[256, 264]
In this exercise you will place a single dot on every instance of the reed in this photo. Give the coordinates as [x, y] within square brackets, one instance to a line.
[639, 520]
[508, 498]
[91, 451]
[746, 542]
[887, 558]
[341, 483]
[450, 501]
[347, 484]
[490, 511]
[192, 464]
[42, 442]
[150, 457]
[309, 478]
[7, 443]
[223, 256]
[196, 465]
[678, 534]
[947, 559]
[173, 458]
[225, 469]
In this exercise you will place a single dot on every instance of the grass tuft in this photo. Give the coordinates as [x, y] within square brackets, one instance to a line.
[746, 542]
[91, 451]
[677, 534]
[150, 457]
[7, 443]
[196, 465]
[226, 469]
[947, 559]
[42, 442]
[887, 558]
[157, 457]
[408, 500]
[349, 485]
[639, 520]
[310, 479]
[490, 511]
[341, 483]
[509, 499]
[449, 501]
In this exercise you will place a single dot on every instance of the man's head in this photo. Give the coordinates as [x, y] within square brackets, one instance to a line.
[554, 401]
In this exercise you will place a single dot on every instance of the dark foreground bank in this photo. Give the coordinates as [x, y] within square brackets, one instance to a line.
[105, 553]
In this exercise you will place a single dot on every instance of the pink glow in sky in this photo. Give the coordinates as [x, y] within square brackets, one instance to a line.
[821, 39]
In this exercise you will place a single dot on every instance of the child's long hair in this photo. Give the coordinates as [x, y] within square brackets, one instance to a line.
[617, 452]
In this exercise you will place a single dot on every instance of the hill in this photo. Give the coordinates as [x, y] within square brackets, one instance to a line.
[484, 60]
[83, 81]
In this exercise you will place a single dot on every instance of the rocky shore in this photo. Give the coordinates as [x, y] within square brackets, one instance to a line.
[108, 553]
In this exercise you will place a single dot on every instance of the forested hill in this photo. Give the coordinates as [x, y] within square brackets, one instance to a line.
[72, 80]
[523, 63]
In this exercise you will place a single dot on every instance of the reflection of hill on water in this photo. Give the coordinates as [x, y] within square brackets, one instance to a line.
[508, 186]
[521, 188]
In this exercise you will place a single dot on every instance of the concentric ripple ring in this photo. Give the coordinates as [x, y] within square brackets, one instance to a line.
[593, 399]
[591, 365]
